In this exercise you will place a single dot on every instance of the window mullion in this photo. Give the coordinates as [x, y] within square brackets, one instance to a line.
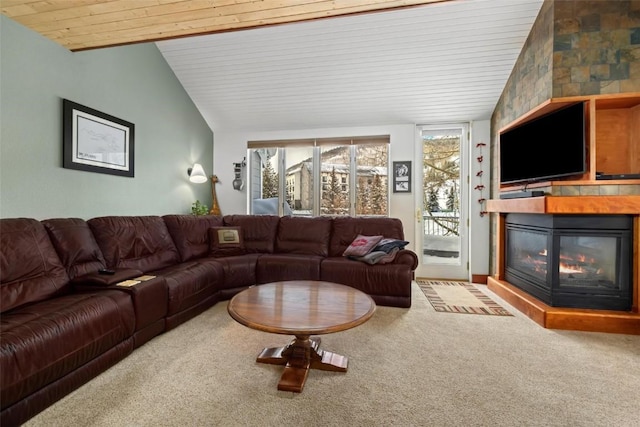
[281, 181]
[352, 179]
[317, 181]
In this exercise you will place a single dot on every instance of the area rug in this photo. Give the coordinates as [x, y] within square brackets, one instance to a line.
[459, 297]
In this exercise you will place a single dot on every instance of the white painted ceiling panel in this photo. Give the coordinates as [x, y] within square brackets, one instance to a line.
[437, 63]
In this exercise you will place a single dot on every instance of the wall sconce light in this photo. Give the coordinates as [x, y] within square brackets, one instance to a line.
[196, 174]
[238, 183]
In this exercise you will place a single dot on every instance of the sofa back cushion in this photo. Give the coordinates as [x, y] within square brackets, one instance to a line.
[346, 229]
[305, 236]
[190, 233]
[75, 245]
[258, 231]
[138, 242]
[30, 269]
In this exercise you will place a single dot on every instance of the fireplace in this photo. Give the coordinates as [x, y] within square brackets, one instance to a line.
[575, 261]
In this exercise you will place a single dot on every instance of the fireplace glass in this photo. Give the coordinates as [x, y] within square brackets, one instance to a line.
[527, 253]
[588, 262]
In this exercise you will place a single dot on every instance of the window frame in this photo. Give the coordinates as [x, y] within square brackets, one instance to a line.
[318, 179]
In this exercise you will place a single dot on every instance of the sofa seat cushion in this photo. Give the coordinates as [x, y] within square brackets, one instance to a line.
[189, 283]
[44, 341]
[388, 279]
[239, 271]
[277, 267]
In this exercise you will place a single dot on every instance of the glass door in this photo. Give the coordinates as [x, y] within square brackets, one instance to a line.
[442, 220]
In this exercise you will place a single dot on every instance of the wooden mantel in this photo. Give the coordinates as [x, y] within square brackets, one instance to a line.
[604, 205]
[564, 318]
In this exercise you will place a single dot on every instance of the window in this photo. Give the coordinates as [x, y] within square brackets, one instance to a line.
[372, 182]
[335, 166]
[352, 172]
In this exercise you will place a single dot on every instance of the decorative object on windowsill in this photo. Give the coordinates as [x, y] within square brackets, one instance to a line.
[238, 182]
[198, 208]
[480, 187]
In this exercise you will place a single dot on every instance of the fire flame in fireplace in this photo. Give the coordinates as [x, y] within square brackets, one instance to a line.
[577, 264]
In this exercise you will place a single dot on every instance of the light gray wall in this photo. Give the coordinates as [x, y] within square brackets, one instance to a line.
[479, 184]
[133, 83]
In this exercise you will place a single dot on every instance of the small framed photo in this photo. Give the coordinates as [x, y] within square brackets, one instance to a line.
[96, 142]
[402, 177]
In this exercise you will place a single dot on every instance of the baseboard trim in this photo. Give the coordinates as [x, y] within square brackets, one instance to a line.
[479, 278]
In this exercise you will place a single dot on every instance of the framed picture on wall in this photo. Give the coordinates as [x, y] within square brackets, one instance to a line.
[96, 142]
[402, 177]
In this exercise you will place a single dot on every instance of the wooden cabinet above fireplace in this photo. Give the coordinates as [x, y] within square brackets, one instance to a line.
[613, 147]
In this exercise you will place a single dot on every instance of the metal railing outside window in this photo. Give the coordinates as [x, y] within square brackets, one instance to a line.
[441, 224]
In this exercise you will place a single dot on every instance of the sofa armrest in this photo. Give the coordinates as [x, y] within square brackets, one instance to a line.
[149, 297]
[97, 279]
[407, 257]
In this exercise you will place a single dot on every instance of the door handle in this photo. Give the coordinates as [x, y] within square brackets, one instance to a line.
[418, 215]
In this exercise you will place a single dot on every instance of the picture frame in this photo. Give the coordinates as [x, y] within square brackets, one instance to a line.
[94, 141]
[402, 177]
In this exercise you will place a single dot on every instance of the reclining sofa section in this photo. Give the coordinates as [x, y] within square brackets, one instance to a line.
[63, 323]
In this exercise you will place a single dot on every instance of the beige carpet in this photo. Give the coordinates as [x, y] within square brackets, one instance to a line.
[459, 297]
[407, 367]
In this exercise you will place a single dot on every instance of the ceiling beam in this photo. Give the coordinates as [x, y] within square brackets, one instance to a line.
[90, 24]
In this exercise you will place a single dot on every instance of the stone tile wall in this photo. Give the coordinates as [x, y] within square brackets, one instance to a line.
[596, 47]
[530, 82]
[596, 190]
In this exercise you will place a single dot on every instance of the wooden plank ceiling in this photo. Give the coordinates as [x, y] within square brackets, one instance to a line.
[89, 24]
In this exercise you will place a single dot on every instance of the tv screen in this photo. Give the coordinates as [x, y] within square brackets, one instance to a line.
[547, 147]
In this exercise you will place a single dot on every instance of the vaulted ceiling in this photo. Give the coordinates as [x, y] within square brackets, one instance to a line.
[445, 61]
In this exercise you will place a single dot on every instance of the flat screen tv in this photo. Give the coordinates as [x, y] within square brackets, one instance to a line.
[550, 146]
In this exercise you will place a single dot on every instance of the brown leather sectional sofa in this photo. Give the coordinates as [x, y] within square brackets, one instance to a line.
[63, 323]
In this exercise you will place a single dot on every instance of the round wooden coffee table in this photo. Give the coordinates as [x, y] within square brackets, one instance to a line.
[301, 308]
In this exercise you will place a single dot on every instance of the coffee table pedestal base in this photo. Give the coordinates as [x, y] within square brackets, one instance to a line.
[302, 354]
